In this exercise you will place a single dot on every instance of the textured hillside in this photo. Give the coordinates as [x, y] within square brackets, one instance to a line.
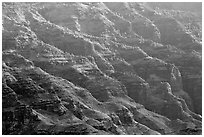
[101, 68]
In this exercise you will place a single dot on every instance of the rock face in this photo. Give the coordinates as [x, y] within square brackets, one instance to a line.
[101, 68]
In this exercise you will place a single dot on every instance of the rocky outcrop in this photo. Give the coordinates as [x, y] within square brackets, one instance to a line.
[99, 68]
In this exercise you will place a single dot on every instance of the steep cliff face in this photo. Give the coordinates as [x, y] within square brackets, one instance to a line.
[99, 68]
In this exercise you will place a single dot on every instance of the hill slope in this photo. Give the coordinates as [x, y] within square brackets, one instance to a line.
[100, 68]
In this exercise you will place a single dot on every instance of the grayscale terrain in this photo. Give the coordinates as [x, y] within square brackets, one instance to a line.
[102, 68]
